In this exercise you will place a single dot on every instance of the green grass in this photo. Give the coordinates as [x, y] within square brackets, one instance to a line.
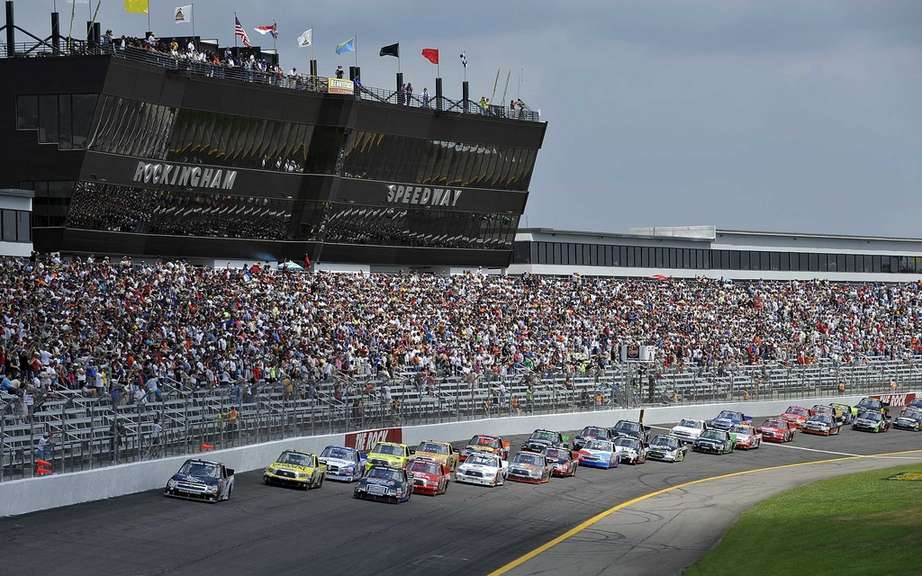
[855, 524]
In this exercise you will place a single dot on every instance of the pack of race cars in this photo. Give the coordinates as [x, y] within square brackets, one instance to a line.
[393, 472]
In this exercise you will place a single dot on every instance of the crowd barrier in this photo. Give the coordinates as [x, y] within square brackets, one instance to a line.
[42, 493]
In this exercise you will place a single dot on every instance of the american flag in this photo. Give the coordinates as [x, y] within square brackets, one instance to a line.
[240, 32]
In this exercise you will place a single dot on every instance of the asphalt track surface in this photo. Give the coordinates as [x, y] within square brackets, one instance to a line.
[271, 530]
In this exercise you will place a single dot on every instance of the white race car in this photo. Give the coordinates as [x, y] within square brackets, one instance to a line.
[483, 469]
[688, 430]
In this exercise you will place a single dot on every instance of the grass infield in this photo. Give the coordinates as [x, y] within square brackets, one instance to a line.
[861, 523]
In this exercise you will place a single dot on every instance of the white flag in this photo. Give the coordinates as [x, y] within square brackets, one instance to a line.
[306, 38]
[183, 14]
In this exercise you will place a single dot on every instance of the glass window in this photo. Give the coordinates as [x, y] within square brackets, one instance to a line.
[774, 263]
[9, 225]
[707, 263]
[557, 258]
[630, 257]
[658, 257]
[25, 227]
[875, 264]
[27, 112]
[533, 250]
[764, 261]
[48, 118]
[619, 254]
[831, 264]
[66, 139]
[813, 262]
[905, 264]
[859, 262]
[804, 262]
[573, 249]
[885, 264]
[849, 262]
[734, 260]
[593, 250]
[869, 264]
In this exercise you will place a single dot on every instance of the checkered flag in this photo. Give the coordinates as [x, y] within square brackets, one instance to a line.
[464, 59]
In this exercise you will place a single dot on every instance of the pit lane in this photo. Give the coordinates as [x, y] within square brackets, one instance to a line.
[263, 529]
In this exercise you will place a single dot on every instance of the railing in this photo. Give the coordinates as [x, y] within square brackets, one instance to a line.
[90, 432]
[182, 63]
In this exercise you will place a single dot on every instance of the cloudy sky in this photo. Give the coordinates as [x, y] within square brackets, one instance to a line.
[802, 115]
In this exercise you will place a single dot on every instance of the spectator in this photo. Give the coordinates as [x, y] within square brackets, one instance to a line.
[339, 72]
[425, 97]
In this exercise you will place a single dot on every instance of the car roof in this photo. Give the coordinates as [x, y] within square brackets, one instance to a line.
[200, 461]
[391, 444]
[297, 452]
[441, 443]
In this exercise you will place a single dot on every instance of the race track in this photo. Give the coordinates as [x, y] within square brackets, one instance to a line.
[262, 530]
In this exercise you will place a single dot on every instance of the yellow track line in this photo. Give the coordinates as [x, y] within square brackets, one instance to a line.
[606, 513]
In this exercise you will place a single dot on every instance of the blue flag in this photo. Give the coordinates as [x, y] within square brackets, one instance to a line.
[346, 47]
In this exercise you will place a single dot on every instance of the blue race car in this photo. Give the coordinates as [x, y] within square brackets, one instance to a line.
[343, 464]
[729, 418]
[599, 453]
[383, 484]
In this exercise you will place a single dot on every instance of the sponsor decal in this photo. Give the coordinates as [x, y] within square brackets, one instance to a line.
[184, 176]
[896, 400]
[340, 86]
[366, 439]
[422, 195]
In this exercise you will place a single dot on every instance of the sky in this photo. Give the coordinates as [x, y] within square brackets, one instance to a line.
[788, 115]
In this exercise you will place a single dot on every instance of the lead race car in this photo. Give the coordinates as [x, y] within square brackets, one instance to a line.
[383, 484]
[343, 464]
[667, 449]
[529, 467]
[483, 469]
[541, 440]
[201, 480]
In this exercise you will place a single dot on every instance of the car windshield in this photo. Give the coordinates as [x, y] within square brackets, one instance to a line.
[627, 442]
[338, 453]
[426, 467]
[488, 441]
[664, 442]
[821, 409]
[388, 449]
[484, 460]
[200, 469]
[545, 435]
[912, 412]
[744, 430]
[713, 435]
[386, 474]
[729, 415]
[294, 459]
[625, 426]
[593, 432]
[824, 418]
[796, 410]
[876, 416]
[557, 455]
[686, 423]
[774, 424]
[603, 445]
[529, 458]
[869, 404]
[432, 448]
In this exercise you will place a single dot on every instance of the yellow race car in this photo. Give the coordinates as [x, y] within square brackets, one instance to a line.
[293, 468]
[442, 452]
[389, 455]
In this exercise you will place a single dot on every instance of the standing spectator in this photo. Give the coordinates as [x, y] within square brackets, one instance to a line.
[339, 72]
[425, 97]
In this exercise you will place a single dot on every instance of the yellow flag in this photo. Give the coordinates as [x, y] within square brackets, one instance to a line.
[136, 6]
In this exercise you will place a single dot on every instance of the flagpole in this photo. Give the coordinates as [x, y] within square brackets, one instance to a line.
[193, 18]
[235, 29]
[355, 46]
[148, 17]
[275, 37]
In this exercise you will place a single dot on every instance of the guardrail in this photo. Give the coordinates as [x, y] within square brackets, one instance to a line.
[180, 62]
[91, 432]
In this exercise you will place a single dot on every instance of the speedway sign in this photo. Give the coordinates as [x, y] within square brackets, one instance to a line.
[896, 400]
[366, 439]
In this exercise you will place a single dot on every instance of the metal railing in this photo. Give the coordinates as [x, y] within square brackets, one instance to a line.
[182, 63]
[89, 432]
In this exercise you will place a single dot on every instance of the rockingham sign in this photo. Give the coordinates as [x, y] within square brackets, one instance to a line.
[422, 195]
[185, 176]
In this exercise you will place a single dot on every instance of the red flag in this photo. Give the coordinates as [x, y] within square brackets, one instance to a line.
[431, 54]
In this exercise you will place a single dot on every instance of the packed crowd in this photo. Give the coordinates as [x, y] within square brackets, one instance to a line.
[86, 324]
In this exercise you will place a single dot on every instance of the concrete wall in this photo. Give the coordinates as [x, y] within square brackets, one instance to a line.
[33, 494]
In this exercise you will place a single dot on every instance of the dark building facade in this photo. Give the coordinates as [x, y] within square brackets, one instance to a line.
[128, 153]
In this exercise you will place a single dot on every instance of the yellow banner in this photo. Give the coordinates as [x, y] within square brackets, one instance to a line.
[136, 6]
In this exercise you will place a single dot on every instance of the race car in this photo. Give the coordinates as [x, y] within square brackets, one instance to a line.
[745, 437]
[441, 452]
[529, 467]
[590, 433]
[201, 480]
[688, 429]
[343, 464]
[599, 454]
[917, 403]
[727, 418]
[293, 468]
[630, 428]
[388, 454]
[869, 404]
[384, 484]
[630, 450]
[714, 441]
[667, 449]
[822, 409]
[489, 444]
[844, 414]
[795, 416]
[429, 476]
[910, 419]
[541, 439]
[776, 430]
[483, 468]
[871, 421]
[563, 463]
[823, 424]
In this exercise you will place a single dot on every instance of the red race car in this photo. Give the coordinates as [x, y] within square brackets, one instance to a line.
[429, 476]
[796, 416]
[777, 430]
[563, 462]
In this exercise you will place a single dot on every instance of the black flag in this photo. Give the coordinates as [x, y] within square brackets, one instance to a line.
[392, 50]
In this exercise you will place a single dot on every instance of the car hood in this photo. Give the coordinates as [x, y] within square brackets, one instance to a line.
[433, 456]
[525, 466]
[596, 453]
[687, 429]
[339, 462]
[195, 479]
[477, 468]
[477, 448]
[386, 457]
[291, 467]
[380, 482]
[426, 476]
